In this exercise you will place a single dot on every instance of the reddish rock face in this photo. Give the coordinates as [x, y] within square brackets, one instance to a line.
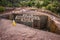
[22, 32]
[39, 24]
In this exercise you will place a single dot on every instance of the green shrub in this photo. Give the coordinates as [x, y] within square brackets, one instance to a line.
[2, 9]
[43, 7]
[9, 5]
[29, 4]
[49, 7]
[45, 2]
[38, 5]
[54, 7]
[23, 3]
[16, 5]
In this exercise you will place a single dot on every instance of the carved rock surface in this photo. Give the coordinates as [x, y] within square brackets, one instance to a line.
[22, 32]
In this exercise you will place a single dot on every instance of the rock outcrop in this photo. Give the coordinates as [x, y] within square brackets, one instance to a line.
[22, 32]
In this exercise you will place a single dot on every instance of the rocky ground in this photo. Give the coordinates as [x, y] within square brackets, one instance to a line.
[22, 32]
